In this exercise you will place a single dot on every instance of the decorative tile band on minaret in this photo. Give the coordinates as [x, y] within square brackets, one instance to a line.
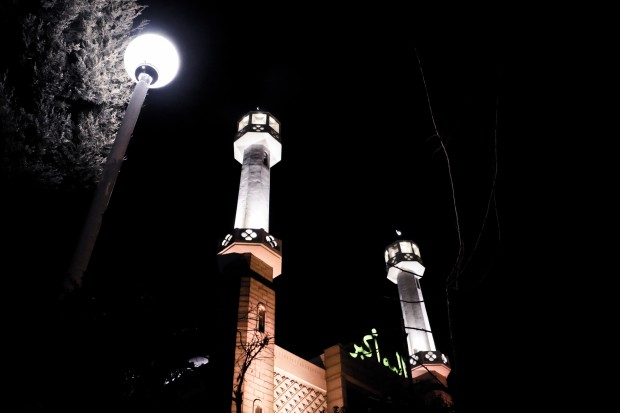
[405, 269]
[257, 147]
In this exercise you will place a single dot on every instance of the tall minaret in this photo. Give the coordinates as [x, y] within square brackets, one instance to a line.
[428, 366]
[257, 147]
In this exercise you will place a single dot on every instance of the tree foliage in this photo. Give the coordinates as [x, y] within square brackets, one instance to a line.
[63, 89]
[63, 93]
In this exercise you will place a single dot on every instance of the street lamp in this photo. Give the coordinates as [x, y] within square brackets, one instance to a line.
[151, 61]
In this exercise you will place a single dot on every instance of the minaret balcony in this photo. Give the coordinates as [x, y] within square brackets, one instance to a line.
[257, 242]
[258, 127]
[433, 360]
[403, 255]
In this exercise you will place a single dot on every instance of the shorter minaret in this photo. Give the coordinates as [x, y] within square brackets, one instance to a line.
[428, 366]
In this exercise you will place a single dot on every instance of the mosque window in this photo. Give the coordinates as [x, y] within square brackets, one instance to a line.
[261, 318]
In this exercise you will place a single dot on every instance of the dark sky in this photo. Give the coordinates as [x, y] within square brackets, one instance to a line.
[360, 98]
[361, 95]
[359, 158]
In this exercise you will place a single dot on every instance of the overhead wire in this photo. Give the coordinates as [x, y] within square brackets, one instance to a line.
[461, 262]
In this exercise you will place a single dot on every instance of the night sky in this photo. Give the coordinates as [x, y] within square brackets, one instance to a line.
[361, 96]
[359, 158]
[360, 99]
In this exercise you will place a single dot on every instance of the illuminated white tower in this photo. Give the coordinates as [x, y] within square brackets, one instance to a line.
[257, 147]
[405, 269]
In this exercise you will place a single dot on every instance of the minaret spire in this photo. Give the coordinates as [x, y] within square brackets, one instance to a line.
[257, 147]
[405, 269]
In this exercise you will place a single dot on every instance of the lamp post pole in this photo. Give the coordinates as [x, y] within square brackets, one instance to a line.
[103, 192]
[152, 61]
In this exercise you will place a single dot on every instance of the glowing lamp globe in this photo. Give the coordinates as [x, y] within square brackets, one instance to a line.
[154, 55]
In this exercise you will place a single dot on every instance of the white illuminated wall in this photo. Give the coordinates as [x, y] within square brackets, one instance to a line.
[254, 185]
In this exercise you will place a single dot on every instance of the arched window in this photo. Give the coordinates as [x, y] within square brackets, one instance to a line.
[261, 318]
[265, 159]
[258, 408]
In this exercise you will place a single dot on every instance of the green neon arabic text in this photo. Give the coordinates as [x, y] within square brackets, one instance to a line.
[366, 351]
